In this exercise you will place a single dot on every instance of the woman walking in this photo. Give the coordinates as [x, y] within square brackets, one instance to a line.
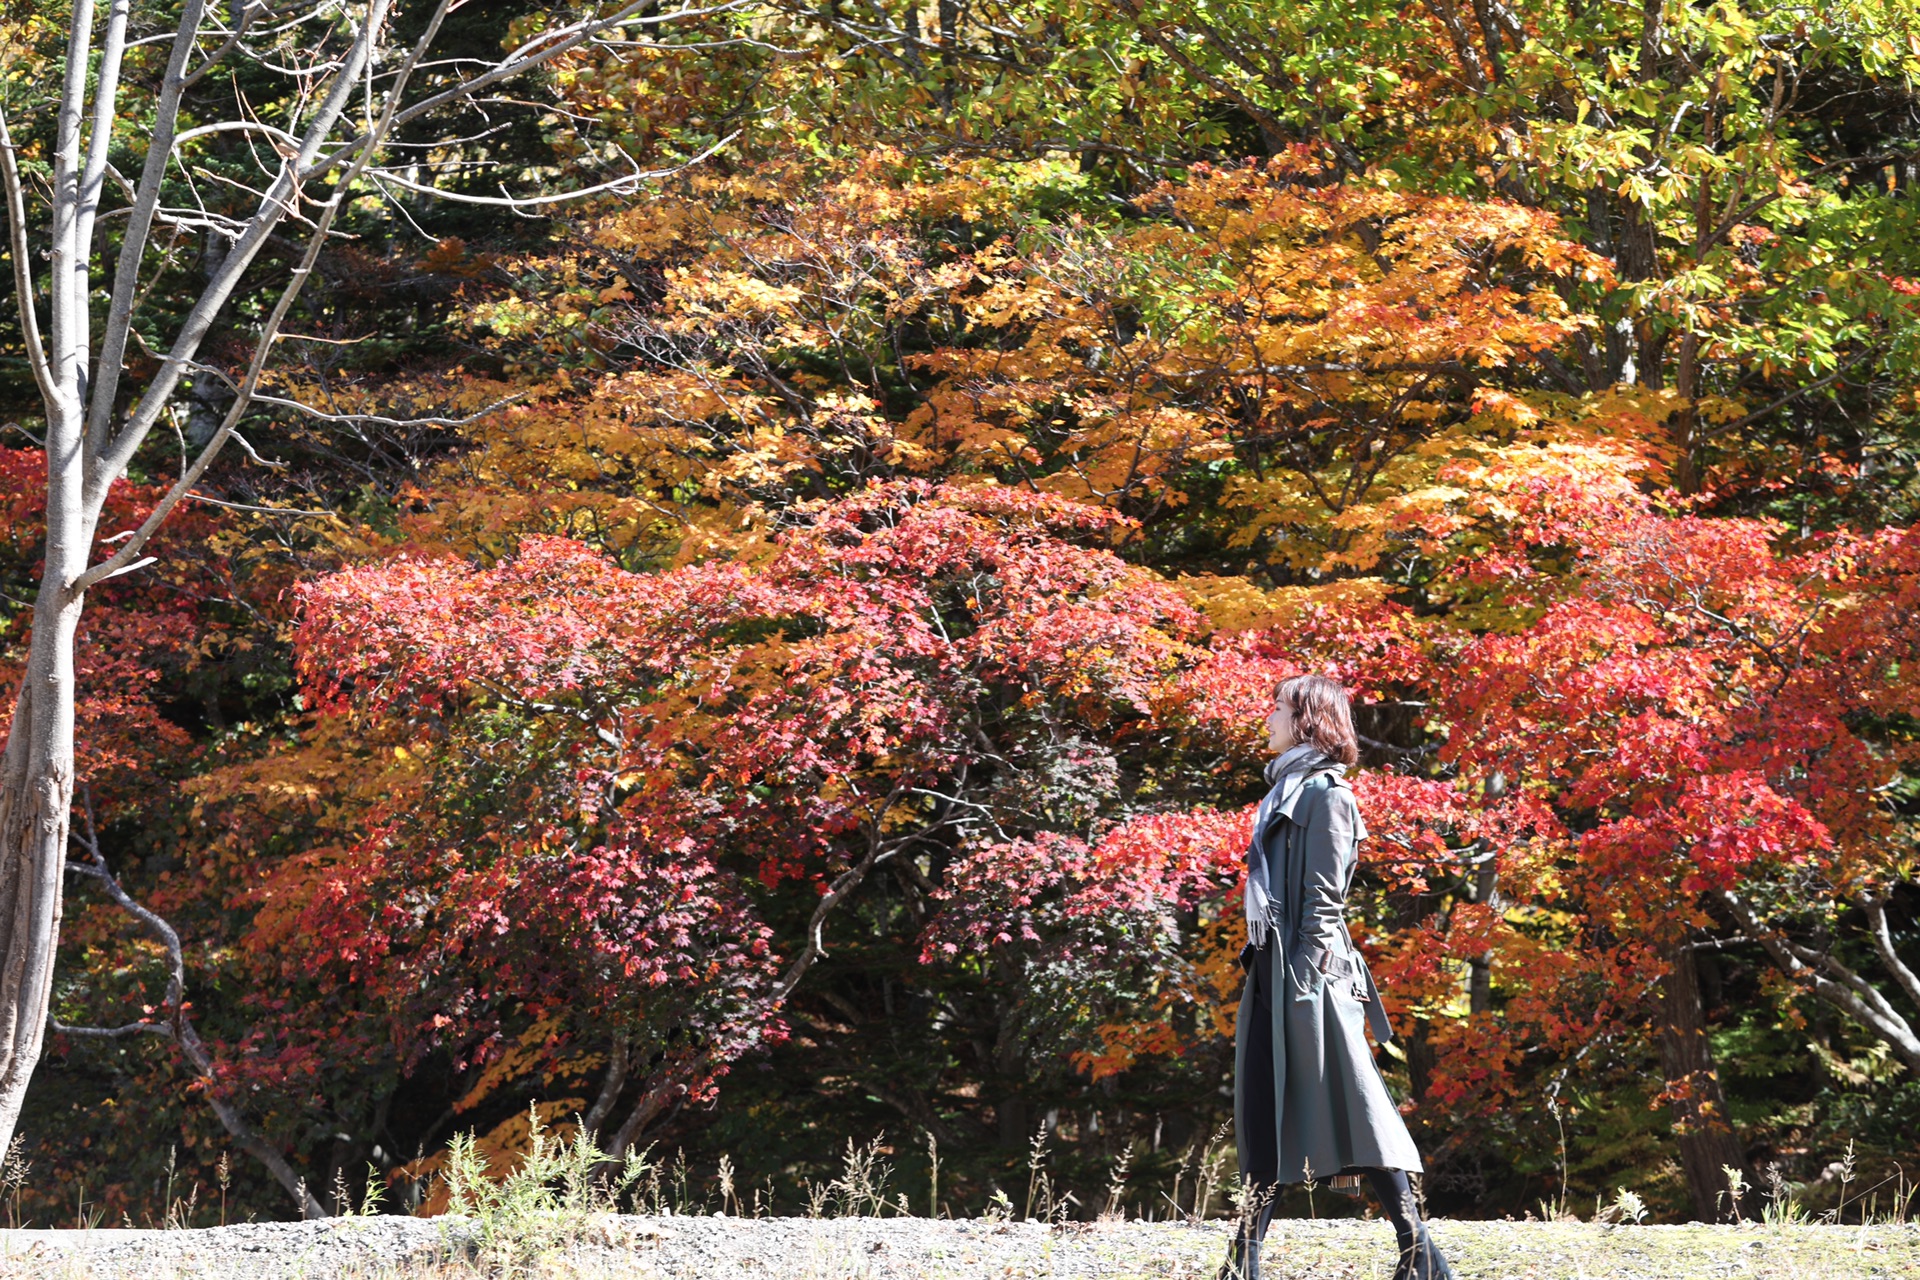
[1308, 1099]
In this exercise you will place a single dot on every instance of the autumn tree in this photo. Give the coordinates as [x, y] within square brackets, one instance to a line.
[1534, 338]
[101, 399]
[1330, 384]
[625, 775]
[1712, 732]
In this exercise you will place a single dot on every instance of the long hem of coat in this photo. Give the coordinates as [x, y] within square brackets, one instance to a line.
[1307, 1091]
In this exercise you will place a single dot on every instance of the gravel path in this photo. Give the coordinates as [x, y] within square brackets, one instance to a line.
[683, 1248]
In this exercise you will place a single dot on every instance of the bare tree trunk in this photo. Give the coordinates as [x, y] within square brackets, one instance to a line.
[661, 1100]
[242, 1133]
[1708, 1144]
[610, 1086]
[1422, 1061]
[36, 782]
[1486, 890]
[36, 792]
[1686, 419]
[207, 400]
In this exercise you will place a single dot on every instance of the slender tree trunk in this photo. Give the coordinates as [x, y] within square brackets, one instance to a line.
[178, 1024]
[36, 793]
[36, 772]
[1486, 890]
[243, 1133]
[1708, 1144]
[207, 400]
[1421, 1058]
[610, 1086]
[1480, 983]
[1686, 419]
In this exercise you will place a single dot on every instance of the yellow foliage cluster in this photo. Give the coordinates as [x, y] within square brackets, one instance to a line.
[1320, 360]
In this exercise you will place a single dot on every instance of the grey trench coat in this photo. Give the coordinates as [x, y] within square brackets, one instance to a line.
[1307, 1094]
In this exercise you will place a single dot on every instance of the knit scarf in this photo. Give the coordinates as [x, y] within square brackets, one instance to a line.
[1285, 775]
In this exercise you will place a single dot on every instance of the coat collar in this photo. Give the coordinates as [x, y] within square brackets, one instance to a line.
[1289, 773]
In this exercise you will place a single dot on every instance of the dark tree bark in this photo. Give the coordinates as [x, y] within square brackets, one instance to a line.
[1708, 1144]
[1421, 1059]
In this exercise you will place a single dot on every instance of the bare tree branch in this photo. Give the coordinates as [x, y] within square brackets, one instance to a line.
[21, 250]
[531, 56]
[178, 1026]
[108, 455]
[621, 185]
[1832, 981]
[269, 329]
[133, 244]
[843, 885]
[1875, 905]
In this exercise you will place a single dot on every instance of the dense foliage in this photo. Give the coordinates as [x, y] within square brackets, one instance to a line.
[804, 681]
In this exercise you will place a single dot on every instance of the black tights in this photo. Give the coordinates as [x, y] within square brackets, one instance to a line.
[1390, 1187]
[1395, 1194]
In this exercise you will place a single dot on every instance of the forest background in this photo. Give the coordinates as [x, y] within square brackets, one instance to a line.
[773, 655]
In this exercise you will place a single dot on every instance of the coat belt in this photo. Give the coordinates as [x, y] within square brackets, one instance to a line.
[1344, 968]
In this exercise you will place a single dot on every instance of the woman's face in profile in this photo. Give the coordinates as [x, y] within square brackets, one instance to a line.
[1279, 728]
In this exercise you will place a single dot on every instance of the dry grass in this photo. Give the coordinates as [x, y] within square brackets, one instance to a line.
[918, 1249]
[553, 1217]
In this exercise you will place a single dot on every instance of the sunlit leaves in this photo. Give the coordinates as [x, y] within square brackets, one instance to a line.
[647, 753]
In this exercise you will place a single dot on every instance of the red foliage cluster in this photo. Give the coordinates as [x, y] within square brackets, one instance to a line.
[138, 629]
[725, 729]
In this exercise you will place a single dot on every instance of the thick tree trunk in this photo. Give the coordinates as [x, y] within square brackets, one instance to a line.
[1708, 1144]
[1421, 1058]
[36, 794]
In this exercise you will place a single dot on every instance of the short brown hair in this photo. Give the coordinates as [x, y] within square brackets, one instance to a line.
[1321, 715]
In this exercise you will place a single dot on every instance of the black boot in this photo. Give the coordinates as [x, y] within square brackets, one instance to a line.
[1243, 1256]
[1243, 1260]
[1419, 1257]
[1409, 1248]
[1425, 1259]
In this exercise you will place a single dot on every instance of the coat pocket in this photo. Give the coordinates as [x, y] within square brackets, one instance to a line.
[1342, 973]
